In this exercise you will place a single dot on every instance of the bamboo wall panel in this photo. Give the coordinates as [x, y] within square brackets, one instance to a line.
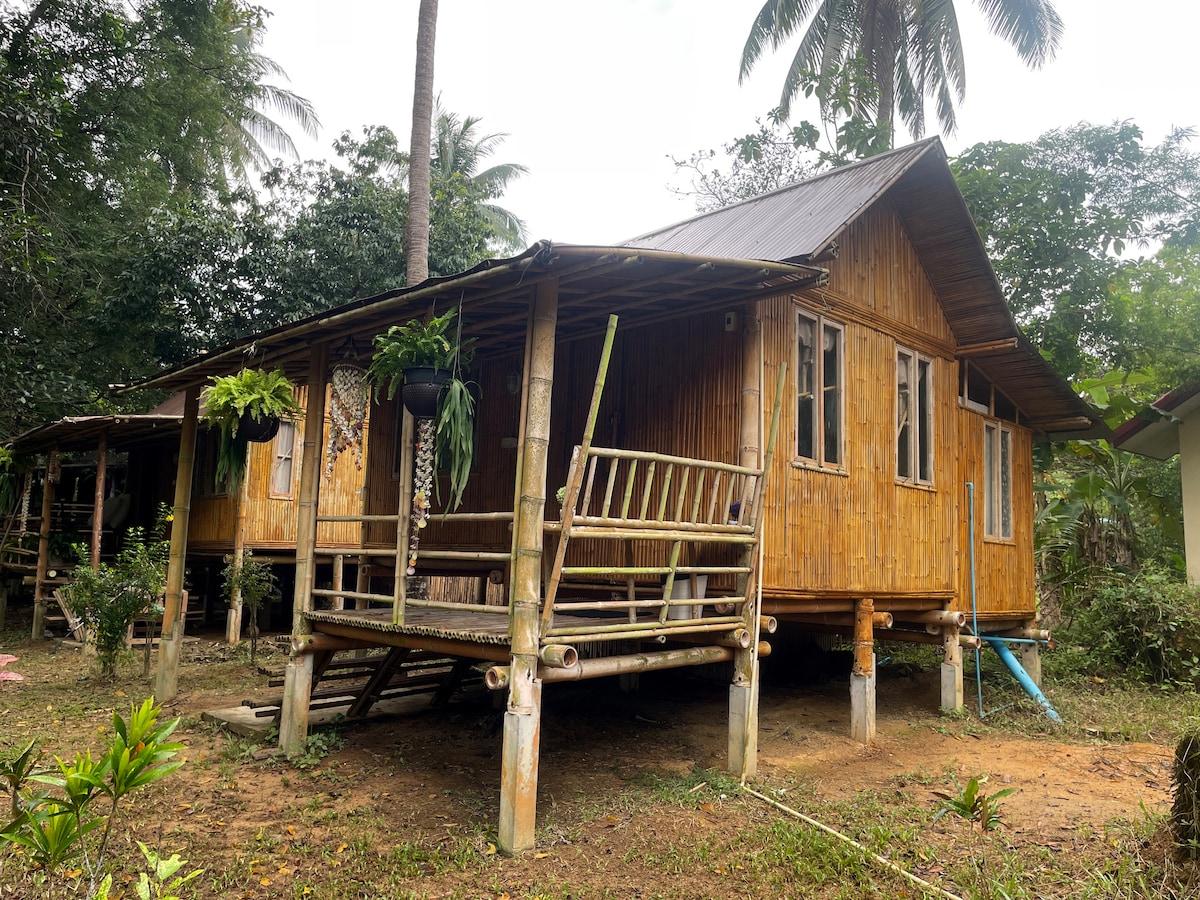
[271, 521]
[1004, 571]
[878, 268]
[857, 529]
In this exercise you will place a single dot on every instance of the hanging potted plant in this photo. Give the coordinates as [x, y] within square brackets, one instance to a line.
[425, 360]
[246, 407]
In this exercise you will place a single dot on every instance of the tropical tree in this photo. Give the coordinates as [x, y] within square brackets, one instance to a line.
[459, 150]
[115, 124]
[416, 228]
[911, 49]
[1060, 217]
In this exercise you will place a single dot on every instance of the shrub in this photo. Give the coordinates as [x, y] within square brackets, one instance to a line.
[1146, 623]
[107, 599]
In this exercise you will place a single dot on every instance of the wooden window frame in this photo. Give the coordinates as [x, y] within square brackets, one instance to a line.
[919, 439]
[997, 489]
[819, 391]
[277, 459]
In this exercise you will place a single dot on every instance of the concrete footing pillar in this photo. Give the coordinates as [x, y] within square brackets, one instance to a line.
[952, 671]
[1031, 661]
[743, 729]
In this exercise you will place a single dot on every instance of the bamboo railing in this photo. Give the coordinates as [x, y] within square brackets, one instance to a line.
[399, 558]
[670, 502]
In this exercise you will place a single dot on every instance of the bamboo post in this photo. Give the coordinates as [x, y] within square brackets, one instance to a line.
[862, 676]
[339, 563]
[171, 635]
[952, 669]
[298, 676]
[743, 692]
[578, 463]
[522, 719]
[408, 428]
[98, 498]
[43, 560]
[233, 617]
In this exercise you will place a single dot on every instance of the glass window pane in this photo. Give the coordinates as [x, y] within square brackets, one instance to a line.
[805, 384]
[1005, 484]
[903, 417]
[989, 479]
[831, 372]
[925, 420]
[281, 474]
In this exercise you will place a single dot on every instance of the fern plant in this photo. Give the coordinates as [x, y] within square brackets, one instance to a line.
[431, 344]
[231, 399]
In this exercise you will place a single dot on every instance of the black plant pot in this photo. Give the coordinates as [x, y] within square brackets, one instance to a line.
[422, 384]
[258, 431]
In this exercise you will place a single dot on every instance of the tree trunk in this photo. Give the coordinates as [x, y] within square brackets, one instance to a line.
[416, 228]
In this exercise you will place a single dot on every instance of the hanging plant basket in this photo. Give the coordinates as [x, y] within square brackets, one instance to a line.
[257, 431]
[422, 385]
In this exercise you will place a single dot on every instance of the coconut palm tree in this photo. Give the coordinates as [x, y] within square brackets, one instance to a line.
[416, 228]
[910, 49]
[459, 150]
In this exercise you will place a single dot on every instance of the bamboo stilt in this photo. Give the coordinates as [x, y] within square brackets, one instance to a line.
[98, 498]
[522, 719]
[233, 618]
[297, 681]
[167, 684]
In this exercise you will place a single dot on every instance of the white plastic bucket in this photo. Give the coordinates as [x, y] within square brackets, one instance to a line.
[682, 590]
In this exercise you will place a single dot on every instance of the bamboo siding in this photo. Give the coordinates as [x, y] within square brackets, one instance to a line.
[880, 271]
[271, 520]
[1004, 570]
[854, 528]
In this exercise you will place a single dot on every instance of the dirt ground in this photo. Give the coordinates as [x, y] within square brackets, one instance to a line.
[432, 777]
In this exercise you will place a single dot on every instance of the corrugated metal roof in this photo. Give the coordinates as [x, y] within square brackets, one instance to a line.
[1154, 430]
[793, 222]
[802, 221]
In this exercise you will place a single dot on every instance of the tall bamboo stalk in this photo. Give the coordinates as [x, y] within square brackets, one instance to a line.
[167, 684]
[98, 498]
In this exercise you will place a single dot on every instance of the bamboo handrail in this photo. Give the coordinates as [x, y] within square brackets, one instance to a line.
[353, 595]
[463, 607]
[663, 523]
[575, 476]
[610, 453]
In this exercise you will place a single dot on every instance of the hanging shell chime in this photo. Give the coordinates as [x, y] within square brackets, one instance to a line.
[347, 413]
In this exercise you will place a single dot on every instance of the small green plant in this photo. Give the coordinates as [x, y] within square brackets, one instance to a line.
[318, 745]
[154, 885]
[429, 344]
[73, 821]
[230, 399]
[255, 583]
[108, 598]
[972, 804]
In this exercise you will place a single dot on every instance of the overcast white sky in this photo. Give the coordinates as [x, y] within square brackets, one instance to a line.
[596, 96]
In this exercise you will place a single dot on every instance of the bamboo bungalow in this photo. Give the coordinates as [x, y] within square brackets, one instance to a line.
[784, 422]
[121, 467]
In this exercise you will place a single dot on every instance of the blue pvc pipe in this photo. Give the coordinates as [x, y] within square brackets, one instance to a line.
[1022, 676]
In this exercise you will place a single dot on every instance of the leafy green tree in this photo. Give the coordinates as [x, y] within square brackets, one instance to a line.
[912, 49]
[115, 118]
[1059, 216]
